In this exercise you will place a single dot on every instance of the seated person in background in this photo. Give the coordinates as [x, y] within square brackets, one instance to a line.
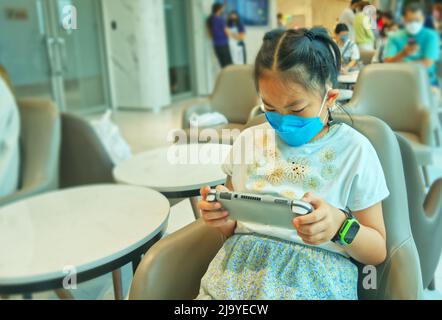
[300, 153]
[387, 31]
[349, 50]
[434, 21]
[9, 141]
[415, 44]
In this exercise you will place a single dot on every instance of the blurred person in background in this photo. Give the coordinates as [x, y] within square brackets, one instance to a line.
[220, 34]
[387, 31]
[434, 21]
[415, 43]
[385, 21]
[9, 138]
[364, 35]
[237, 41]
[349, 50]
[4, 75]
[348, 17]
[281, 21]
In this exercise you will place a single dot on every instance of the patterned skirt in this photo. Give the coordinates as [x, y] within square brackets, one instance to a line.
[255, 267]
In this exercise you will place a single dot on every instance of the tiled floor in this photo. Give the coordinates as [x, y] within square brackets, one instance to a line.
[145, 130]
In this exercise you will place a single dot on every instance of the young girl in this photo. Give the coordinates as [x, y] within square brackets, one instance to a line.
[331, 166]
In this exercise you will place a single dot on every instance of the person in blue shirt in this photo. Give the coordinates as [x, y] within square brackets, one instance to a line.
[416, 43]
[220, 34]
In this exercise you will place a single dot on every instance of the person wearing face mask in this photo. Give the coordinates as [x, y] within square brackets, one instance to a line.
[415, 43]
[434, 21]
[349, 50]
[299, 153]
[237, 41]
[387, 31]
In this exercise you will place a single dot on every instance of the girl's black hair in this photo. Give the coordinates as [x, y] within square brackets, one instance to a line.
[215, 8]
[341, 27]
[308, 57]
[232, 23]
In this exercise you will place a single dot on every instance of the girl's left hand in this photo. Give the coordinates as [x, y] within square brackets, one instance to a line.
[322, 224]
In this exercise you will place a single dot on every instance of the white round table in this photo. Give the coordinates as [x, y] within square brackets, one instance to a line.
[89, 231]
[345, 95]
[178, 171]
[348, 78]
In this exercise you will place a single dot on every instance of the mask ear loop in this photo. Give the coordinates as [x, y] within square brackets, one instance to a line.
[323, 104]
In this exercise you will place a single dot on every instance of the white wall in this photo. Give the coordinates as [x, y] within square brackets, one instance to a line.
[137, 52]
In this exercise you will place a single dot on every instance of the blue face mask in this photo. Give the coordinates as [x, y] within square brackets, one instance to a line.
[294, 130]
[344, 38]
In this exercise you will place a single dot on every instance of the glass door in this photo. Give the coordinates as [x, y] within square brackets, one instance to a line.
[179, 48]
[79, 36]
[47, 57]
[25, 52]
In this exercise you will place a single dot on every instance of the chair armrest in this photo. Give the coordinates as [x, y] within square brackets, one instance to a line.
[198, 109]
[402, 264]
[256, 111]
[430, 129]
[172, 269]
[27, 191]
[433, 201]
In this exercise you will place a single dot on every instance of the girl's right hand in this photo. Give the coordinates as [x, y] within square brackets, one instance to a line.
[212, 213]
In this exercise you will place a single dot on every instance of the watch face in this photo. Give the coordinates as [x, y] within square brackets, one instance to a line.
[352, 232]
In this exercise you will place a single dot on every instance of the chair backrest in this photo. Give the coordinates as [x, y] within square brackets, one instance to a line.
[425, 213]
[395, 93]
[399, 277]
[40, 143]
[235, 93]
[84, 160]
[367, 56]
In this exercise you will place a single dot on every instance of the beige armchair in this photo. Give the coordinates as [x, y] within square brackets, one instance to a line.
[40, 145]
[85, 161]
[367, 56]
[425, 215]
[400, 95]
[234, 96]
[189, 251]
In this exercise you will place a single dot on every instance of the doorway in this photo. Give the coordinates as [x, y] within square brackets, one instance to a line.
[45, 57]
[177, 16]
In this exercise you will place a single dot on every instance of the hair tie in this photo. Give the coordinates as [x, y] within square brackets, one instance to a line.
[310, 35]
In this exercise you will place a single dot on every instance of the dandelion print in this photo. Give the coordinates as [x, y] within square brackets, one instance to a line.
[328, 155]
[288, 194]
[272, 154]
[297, 169]
[255, 168]
[312, 184]
[328, 172]
[259, 185]
[275, 176]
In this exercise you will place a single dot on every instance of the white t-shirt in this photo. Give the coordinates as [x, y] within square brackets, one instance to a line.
[9, 141]
[342, 168]
[350, 52]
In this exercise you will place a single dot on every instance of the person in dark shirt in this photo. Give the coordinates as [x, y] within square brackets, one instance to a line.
[220, 34]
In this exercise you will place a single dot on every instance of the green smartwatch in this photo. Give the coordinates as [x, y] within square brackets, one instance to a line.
[350, 228]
